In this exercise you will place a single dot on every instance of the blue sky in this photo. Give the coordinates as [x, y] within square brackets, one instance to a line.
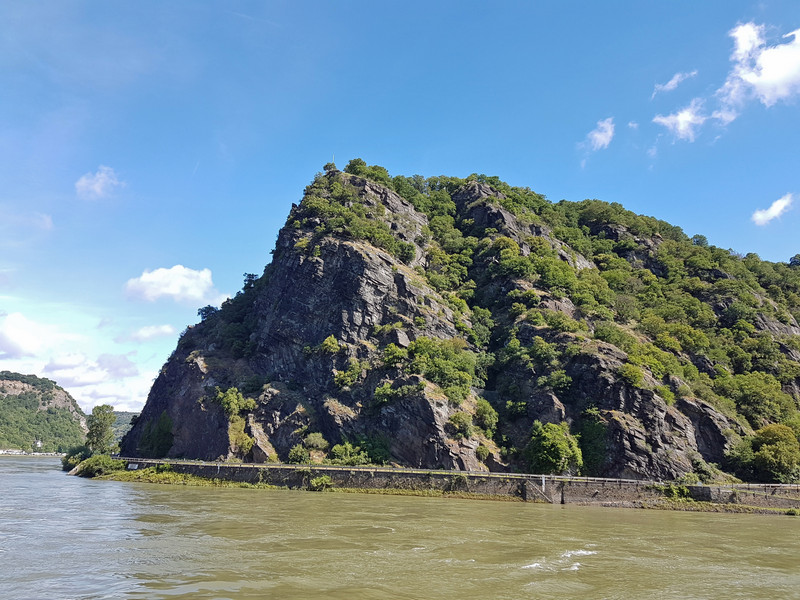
[149, 151]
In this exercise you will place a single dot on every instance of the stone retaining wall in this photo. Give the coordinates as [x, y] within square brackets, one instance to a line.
[530, 488]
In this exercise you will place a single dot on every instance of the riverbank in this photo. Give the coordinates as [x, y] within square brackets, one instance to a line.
[15, 452]
[749, 498]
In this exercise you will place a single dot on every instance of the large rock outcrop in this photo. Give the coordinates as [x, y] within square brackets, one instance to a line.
[352, 334]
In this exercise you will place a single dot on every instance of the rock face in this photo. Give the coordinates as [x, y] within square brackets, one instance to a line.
[350, 334]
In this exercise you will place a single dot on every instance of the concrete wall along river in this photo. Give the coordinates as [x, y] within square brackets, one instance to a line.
[530, 488]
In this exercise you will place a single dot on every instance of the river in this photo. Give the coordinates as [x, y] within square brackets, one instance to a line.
[64, 537]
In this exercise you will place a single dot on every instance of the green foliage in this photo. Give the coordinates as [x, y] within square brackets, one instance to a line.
[299, 455]
[316, 441]
[348, 377]
[593, 440]
[393, 355]
[348, 454]
[320, 484]
[446, 363]
[232, 401]
[613, 334]
[486, 416]
[239, 440]
[758, 396]
[632, 374]
[334, 203]
[553, 450]
[461, 423]
[772, 454]
[28, 417]
[157, 438]
[377, 448]
[75, 456]
[329, 345]
[386, 393]
[100, 436]
[482, 453]
[99, 464]
[557, 380]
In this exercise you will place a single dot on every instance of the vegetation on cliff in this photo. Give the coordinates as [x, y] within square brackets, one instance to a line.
[507, 331]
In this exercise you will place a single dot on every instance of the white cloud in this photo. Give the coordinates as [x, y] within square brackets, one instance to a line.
[673, 83]
[149, 332]
[98, 185]
[768, 73]
[19, 229]
[600, 137]
[684, 123]
[117, 366]
[77, 370]
[776, 209]
[179, 283]
[19, 336]
[79, 362]
[633, 125]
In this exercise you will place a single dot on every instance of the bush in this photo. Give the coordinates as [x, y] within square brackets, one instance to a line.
[232, 401]
[772, 454]
[299, 455]
[315, 441]
[486, 416]
[348, 454]
[100, 464]
[553, 450]
[482, 453]
[632, 374]
[75, 456]
[329, 345]
[461, 422]
[320, 484]
[347, 378]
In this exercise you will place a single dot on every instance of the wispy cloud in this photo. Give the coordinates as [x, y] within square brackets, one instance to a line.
[673, 83]
[150, 332]
[767, 73]
[776, 209]
[684, 123]
[600, 137]
[178, 283]
[98, 185]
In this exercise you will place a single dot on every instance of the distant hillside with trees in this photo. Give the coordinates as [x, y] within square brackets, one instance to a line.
[36, 415]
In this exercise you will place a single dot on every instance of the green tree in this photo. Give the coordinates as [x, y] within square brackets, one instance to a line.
[553, 450]
[101, 434]
[772, 454]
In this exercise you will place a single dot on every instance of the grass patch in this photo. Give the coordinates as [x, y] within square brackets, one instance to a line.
[166, 476]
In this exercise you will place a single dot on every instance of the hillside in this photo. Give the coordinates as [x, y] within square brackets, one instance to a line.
[122, 424]
[32, 408]
[464, 323]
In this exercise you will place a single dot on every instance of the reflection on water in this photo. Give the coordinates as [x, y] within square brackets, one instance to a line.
[65, 537]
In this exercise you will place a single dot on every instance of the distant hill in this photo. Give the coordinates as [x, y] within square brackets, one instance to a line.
[122, 424]
[38, 415]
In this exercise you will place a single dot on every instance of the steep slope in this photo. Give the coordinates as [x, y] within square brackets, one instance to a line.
[466, 324]
[34, 410]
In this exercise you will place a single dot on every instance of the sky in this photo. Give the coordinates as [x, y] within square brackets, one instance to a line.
[150, 151]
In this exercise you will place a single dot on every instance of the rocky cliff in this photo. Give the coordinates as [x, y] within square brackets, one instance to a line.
[449, 323]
